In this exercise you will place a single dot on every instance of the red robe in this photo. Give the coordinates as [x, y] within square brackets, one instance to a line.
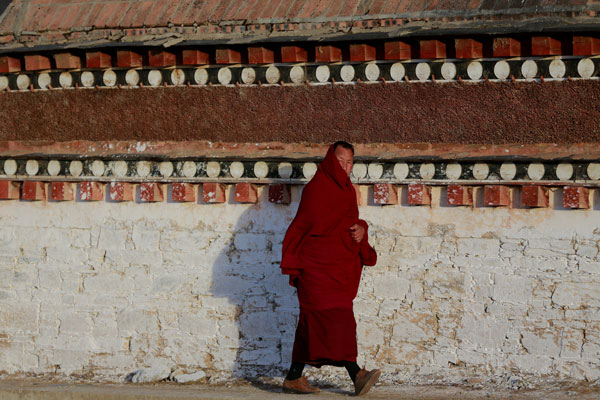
[325, 265]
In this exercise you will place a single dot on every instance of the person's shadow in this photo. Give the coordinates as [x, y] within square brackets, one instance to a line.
[256, 330]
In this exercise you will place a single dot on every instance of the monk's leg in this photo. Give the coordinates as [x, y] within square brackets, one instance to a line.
[295, 371]
[352, 369]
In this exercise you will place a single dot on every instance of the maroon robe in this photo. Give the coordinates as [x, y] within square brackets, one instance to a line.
[325, 265]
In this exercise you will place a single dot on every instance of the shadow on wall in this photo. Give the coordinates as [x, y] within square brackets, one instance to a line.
[255, 336]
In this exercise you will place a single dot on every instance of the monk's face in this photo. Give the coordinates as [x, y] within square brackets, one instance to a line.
[345, 158]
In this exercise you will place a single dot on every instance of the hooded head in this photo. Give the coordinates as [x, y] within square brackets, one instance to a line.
[338, 162]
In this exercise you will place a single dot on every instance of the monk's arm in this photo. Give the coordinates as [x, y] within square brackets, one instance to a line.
[368, 256]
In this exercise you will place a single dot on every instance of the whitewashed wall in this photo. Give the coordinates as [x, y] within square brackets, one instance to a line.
[459, 294]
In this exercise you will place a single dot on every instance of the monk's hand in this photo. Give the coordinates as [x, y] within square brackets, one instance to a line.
[357, 232]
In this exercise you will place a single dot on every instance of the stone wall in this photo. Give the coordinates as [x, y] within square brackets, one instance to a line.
[459, 294]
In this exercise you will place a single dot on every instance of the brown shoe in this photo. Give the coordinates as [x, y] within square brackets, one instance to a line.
[364, 380]
[299, 386]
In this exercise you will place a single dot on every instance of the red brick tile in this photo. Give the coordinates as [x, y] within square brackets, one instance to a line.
[245, 9]
[376, 7]
[257, 10]
[468, 48]
[280, 194]
[232, 10]
[161, 58]
[68, 20]
[91, 17]
[203, 14]
[246, 193]
[37, 62]
[218, 13]
[418, 5]
[59, 16]
[534, 196]
[10, 190]
[385, 193]
[62, 191]
[118, 15]
[474, 4]
[586, 46]
[195, 57]
[151, 192]
[496, 195]
[283, 9]
[33, 191]
[121, 191]
[270, 8]
[33, 16]
[545, 46]
[9, 20]
[576, 197]
[418, 195]
[213, 192]
[260, 55]
[506, 47]
[52, 12]
[328, 53]
[130, 14]
[67, 61]
[291, 54]
[432, 49]
[298, 6]
[81, 17]
[157, 10]
[145, 7]
[90, 191]
[129, 59]
[183, 192]
[308, 9]
[168, 12]
[403, 7]
[362, 52]
[9, 64]
[105, 14]
[98, 59]
[397, 50]
[320, 9]
[459, 195]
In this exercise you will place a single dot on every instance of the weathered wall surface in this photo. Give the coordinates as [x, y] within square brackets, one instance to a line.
[101, 289]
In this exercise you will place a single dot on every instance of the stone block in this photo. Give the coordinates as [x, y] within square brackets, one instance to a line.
[390, 287]
[131, 321]
[183, 192]
[534, 196]
[512, 289]
[385, 193]
[496, 195]
[260, 324]
[414, 327]
[213, 192]
[108, 283]
[33, 191]
[91, 191]
[576, 197]
[478, 247]
[144, 238]
[542, 342]
[419, 194]
[246, 193]
[151, 192]
[62, 191]
[10, 190]
[280, 194]
[197, 323]
[591, 267]
[577, 294]
[250, 241]
[459, 195]
[482, 332]
[121, 191]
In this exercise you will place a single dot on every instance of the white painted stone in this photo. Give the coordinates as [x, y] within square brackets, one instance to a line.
[577, 294]
[512, 289]
[153, 374]
[481, 171]
[536, 171]
[3, 83]
[44, 80]
[189, 169]
[285, 170]
[359, 170]
[272, 75]
[119, 168]
[557, 69]
[143, 168]
[132, 77]
[375, 170]
[529, 69]
[453, 171]
[372, 72]
[76, 168]
[248, 75]
[423, 71]
[23, 82]
[213, 169]
[401, 171]
[201, 76]
[508, 171]
[586, 68]
[593, 171]
[65, 79]
[109, 78]
[193, 377]
[397, 71]
[177, 77]
[309, 169]
[347, 73]
[322, 73]
[261, 169]
[475, 70]
[297, 74]
[32, 167]
[53, 167]
[502, 70]
[166, 168]
[87, 79]
[448, 71]
[236, 169]
[564, 171]
[154, 77]
[98, 168]
[224, 76]
[10, 167]
[427, 170]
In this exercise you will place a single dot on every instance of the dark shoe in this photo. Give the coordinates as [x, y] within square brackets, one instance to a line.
[299, 386]
[364, 380]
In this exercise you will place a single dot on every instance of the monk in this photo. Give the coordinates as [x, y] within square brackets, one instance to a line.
[324, 250]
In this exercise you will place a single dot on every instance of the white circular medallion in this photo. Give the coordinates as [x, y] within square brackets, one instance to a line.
[564, 171]
[87, 79]
[401, 171]
[586, 68]
[453, 171]
[397, 71]
[44, 80]
[261, 169]
[427, 170]
[535, 171]
[448, 71]
[189, 169]
[132, 77]
[3, 83]
[347, 73]
[165, 168]
[372, 72]
[109, 78]
[557, 69]
[375, 170]
[65, 79]
[213, 169]
[177, 77]
[236, 169]
[23, 82]
[593, 171]
[224, 76]
[248, 75]
[119, 168]
[32, 167]
[201, 76]
[481, 171]
[508, 171]
[297, 74]
[10, 167]
[529, 69]
[475, 70]
[502, 70]
[53, 167]
[154, 77]
[143, 168]
[309, 170]
[359, 170]
[272, 75]
[75, 168]
[98, 168]
[423, 71]
[285, 170]
[322, 73]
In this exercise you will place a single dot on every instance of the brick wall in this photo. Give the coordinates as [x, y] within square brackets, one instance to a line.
[459, 293]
